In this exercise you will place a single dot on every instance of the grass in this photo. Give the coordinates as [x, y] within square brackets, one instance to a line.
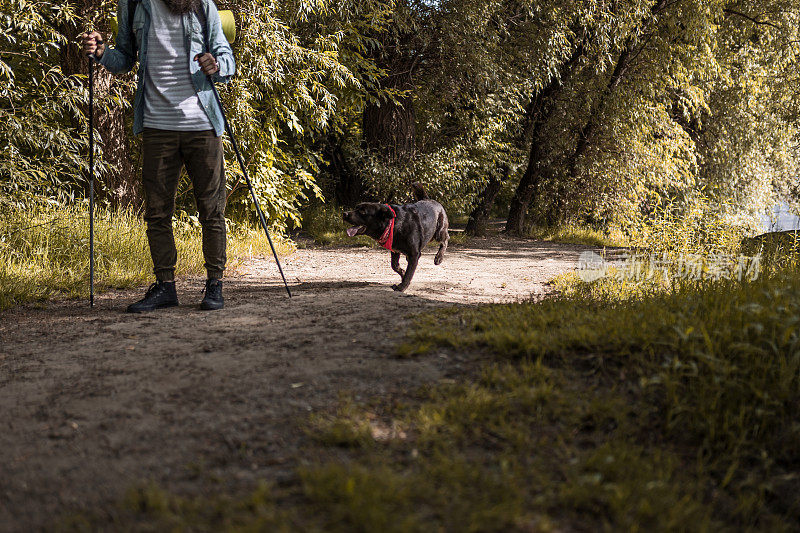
[44, 252]
[521, 448]
[700, 388]
[779, 251]
[675, 410]
[577, 234]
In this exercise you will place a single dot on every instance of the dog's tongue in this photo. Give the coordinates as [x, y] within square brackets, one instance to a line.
[352, 232]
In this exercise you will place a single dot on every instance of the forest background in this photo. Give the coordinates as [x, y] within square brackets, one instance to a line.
[618, 115]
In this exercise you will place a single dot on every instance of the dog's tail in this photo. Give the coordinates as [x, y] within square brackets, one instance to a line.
[419, 191]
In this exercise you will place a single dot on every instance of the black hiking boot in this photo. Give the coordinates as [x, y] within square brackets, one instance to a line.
[160, 294]
[213, 299]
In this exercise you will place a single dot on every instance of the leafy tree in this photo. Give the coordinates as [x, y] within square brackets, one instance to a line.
[120, 187]
[292, 90]
[747, 137]
[290, 84]
[555, 111]
[42, 122]
[656, 137]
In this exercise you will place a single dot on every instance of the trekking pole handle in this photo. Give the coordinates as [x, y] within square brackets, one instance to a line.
[98, 42]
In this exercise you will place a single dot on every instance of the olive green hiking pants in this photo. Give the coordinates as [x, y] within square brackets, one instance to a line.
[164, 153]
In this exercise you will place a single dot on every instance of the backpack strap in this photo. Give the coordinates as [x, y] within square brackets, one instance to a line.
[132, 5]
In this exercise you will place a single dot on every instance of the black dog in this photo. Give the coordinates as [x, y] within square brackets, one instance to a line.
[403, 229]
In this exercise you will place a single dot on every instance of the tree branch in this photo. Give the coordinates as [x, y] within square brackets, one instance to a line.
[751, 19]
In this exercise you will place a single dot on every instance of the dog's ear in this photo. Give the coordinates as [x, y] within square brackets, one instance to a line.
[386, 212]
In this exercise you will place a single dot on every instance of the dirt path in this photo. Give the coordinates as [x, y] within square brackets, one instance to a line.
[93, 402]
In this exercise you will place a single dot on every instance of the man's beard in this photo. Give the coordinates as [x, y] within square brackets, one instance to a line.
[179, 7]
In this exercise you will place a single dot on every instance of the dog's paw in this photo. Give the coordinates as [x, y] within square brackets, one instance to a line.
[438, 259]
[398, 288]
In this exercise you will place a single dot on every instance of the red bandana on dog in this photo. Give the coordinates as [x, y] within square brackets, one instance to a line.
[388, 235]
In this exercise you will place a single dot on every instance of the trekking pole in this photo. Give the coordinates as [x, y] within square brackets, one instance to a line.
[91, 179]
[249, 184]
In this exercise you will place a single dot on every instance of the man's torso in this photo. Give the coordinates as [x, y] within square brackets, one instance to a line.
[171, 102]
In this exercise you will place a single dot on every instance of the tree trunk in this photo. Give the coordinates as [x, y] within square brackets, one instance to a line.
[390, 129]
[518, 210]
[540, 111]
[588, 129]
[389, 125]
[348, 188]
[476, 225]
[120, 189]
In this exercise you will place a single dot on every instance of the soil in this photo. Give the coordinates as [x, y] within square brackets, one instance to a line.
[95, 401]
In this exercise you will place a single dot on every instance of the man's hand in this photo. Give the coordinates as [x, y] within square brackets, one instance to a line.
[93, 44]
[207, 63]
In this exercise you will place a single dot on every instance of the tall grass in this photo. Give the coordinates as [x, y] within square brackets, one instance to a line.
[779, 252]
[706, 373]
[44, 251]
[578, 234]
[698, 226]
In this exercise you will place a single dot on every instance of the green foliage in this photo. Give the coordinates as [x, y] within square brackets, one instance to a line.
[451, 175]
[779, 252]
[695, 224]
[290, 93]
[751, 124]
[669, 96]
[666, 97]
[287, 94]
[41, 109]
